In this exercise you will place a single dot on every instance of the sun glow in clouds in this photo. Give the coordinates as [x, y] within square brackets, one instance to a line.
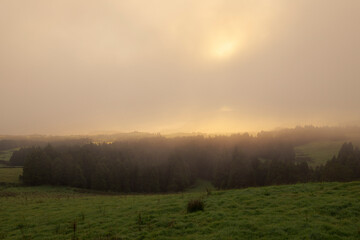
[240, 35]
[226, 44]
[224, 49]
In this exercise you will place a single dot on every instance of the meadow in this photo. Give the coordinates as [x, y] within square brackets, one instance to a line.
[301, 211]
[5, 155]
[319, 152]
[10, 174]
[328, 210]
[322, 151]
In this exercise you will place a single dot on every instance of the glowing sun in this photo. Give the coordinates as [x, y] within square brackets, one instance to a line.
[224, 49]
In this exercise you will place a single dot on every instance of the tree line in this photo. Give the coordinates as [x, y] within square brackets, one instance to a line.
[161, 164]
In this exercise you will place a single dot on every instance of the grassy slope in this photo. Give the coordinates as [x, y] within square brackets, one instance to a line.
[10, 175]
[322, 151]
[201, 186]
[6, 155]
[319, 152]
[302, 211]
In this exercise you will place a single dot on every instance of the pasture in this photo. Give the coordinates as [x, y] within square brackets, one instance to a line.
[319, 152]
[301, 211]
[5, 155]
[10, 175]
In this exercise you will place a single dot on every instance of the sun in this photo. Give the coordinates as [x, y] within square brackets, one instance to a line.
[223, 46]
[224, 49]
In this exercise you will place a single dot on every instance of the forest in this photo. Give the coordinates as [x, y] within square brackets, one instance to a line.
[159, 164]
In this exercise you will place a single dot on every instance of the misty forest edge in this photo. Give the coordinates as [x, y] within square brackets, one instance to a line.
[159, 164]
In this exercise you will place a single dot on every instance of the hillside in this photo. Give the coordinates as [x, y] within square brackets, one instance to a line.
[320, 152]
[302, 211]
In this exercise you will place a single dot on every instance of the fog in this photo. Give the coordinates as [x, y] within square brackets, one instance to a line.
[77, 67]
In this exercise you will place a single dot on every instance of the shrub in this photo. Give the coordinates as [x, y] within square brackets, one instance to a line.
[195, 205]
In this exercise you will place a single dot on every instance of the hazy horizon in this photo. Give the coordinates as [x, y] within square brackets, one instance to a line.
[77, 67]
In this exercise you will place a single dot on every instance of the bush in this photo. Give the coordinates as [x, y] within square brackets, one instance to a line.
[195, 205]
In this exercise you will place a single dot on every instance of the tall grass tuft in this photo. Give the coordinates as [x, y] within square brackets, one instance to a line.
[195, 205]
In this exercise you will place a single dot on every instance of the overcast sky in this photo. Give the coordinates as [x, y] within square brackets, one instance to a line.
[81, 66]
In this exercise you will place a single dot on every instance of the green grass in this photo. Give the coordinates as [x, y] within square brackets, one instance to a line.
[319, 152]
[302, 211]
[10, 175]
[201, 186]
[6, 154]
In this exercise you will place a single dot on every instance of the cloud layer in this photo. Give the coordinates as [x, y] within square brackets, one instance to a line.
[215, 66]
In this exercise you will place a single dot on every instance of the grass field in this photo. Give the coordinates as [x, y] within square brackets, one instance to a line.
[302, 211]
[10, 175]
[6, 155]
[322, 151]
[319, 152]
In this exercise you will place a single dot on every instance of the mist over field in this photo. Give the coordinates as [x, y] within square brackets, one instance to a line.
[157, 119]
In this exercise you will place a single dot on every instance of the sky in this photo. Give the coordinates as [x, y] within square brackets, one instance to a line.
[214, 66]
